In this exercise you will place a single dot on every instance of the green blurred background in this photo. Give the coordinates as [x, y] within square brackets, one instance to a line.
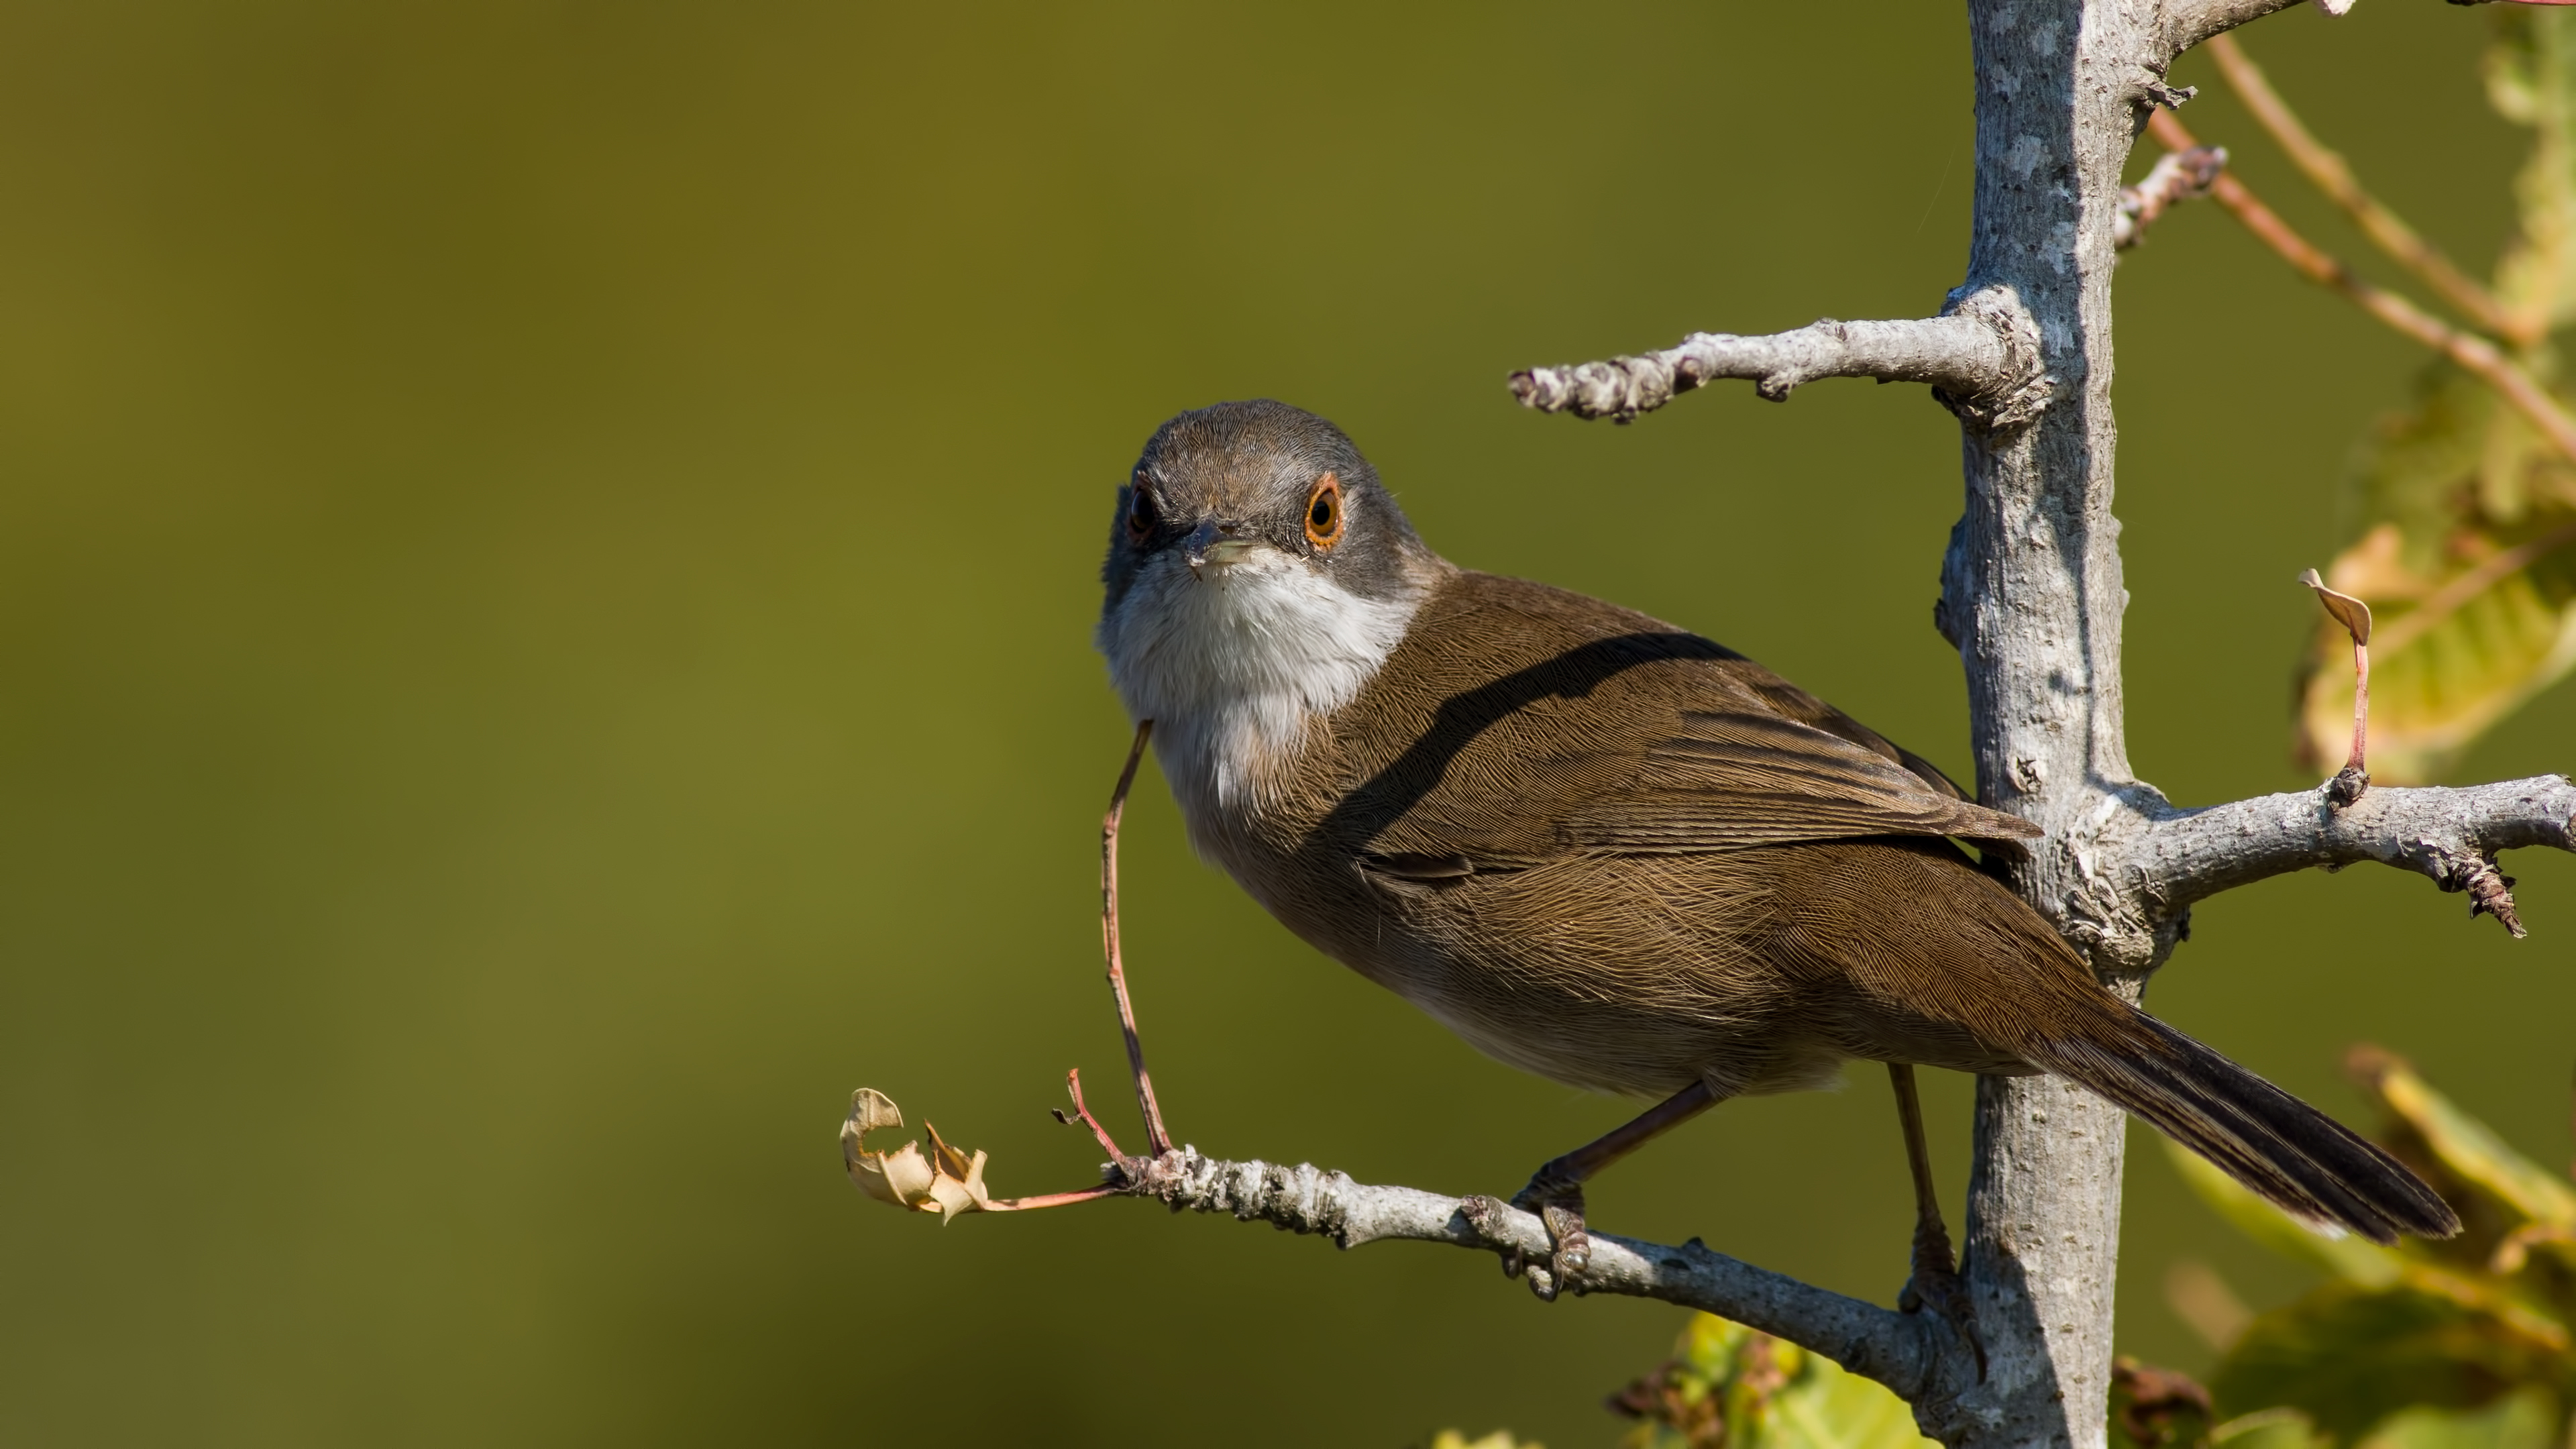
[545, 593]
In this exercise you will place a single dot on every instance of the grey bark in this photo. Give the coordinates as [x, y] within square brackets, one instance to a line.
[1907, 1352]
[1968, 351]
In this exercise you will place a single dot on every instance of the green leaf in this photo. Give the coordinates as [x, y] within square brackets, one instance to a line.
[2350, 1356]
[2531, 80]
[1730, 1385]
[2524, 1420]
[2268, 1429]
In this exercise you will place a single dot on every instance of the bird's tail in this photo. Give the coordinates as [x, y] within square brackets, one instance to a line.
[2293, 1155]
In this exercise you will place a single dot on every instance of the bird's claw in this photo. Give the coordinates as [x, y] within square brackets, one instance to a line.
[1937, 1285]
[1560, 1206]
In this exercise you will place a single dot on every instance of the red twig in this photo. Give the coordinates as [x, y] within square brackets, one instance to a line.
[1157, 1140]
[2333, 176]
[1054, 1199]
[2471, 353]
[1108, 1144]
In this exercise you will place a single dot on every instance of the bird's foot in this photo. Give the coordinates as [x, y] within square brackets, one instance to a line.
[1936, 1285]
[1559, 1204]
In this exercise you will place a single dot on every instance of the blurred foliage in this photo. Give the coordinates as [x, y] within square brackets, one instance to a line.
[2464, 1342]
[1731, 1387]
[2467, 533]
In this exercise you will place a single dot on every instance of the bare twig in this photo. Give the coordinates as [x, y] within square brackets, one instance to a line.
[2451, 835]
[2473, 354]
[1914, 1354]
[2186, 23]
[1157, 1139]
[2333, 176]
[1976, 352]
[2176, 176]
[1082, 1113]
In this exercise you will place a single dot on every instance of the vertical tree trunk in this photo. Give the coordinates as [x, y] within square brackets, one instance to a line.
[2032, 596]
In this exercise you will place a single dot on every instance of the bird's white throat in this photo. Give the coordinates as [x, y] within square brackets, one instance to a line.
[1233, 668]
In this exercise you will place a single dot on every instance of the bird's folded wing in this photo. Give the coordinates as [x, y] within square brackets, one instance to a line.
[1728, 780]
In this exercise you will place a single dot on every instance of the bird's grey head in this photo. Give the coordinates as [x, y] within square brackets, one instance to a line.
[1256, 568]
[1260, 485]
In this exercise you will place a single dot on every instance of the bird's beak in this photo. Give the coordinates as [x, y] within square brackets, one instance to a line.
[1210, 552]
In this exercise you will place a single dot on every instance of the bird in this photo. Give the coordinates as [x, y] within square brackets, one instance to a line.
[1605, 850]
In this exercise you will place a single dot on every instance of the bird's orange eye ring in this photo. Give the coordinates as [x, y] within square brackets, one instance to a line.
[1140, 511]
[1324, 512]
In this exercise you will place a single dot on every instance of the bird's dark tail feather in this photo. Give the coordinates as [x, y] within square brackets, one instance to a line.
[2276, 1145]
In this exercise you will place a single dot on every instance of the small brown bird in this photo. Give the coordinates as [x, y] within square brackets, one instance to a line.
[1608, 851]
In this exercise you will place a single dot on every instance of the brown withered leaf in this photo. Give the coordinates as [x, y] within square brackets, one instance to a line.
[2351, 613]
[943, 1181]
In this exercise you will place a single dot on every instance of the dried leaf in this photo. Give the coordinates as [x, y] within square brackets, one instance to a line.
[946, 1181]
[2156, 1408]
[2524, 1420]
[2351, 613]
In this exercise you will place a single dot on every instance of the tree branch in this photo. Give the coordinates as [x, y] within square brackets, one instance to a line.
[2176, 176]
[1916, 1355]
[2187, 23]
[1980, 353]
[2450, 835]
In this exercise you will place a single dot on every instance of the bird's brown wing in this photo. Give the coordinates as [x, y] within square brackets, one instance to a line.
[1730, 778]
[1528, 723]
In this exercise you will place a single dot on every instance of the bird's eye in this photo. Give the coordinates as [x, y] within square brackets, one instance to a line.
[1141, 517]
[1324, 512]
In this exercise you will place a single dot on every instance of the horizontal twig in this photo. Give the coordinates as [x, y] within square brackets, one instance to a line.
[1969, 352]
[2449, 834]
[1914, 1354]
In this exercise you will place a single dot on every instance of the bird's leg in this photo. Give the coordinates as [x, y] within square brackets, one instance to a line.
[1555, 1192]
[1936, 1282]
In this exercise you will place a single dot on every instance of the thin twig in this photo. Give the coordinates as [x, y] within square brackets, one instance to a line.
[1157, 1140]
[2176, 176]
[1073, 1086]
[2333, 176]
[1055, 1199]
[2473, 354]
